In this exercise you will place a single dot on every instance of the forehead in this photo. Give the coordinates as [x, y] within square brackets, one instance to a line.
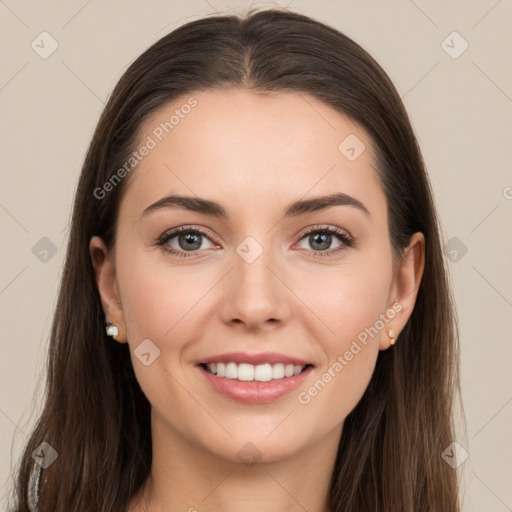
[251, 151]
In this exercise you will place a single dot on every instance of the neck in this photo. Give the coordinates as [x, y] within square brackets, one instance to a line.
[187, 476]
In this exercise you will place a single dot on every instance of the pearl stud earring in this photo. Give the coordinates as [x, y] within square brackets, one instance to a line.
[112, 330]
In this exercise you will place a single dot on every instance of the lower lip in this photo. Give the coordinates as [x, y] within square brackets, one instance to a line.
[255, 392]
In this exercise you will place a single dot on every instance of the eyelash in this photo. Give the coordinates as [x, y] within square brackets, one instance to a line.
[347, 240]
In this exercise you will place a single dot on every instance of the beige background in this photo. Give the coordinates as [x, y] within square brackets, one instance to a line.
[460, 109]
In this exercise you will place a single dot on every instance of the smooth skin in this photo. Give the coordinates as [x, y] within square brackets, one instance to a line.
[255, 155]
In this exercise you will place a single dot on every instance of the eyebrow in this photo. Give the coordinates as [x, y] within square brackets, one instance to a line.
[214, 209]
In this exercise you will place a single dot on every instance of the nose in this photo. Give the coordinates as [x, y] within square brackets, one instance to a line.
[254, 295]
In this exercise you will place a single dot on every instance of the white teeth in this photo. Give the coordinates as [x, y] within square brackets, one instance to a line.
[248, 372]
[278, 371]
[231, 372]
[245, 371]
[263, 373]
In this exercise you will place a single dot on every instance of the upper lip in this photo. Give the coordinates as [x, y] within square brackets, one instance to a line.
[255, 359]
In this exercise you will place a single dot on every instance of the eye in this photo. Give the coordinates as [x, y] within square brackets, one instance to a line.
[188, 240]
[321, 238]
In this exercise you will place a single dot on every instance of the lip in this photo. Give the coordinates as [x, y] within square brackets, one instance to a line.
[255, 359]
[254, 392]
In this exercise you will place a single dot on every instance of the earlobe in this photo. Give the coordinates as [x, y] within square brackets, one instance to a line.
[106, 282]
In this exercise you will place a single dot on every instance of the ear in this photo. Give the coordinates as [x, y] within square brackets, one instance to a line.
[404, 289]
[106, 281]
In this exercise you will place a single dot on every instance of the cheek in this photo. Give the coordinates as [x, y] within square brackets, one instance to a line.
[348, 301]
[159, 304]
[353, 304]
[170, 307]
[158, 301]
[350, 353]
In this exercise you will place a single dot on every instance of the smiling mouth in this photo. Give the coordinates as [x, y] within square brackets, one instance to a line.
[246, 372]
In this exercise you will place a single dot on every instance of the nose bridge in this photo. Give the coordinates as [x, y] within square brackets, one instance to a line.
[253, 258]
[255, 294]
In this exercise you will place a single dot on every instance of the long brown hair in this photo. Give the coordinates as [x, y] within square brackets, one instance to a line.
[95, 414]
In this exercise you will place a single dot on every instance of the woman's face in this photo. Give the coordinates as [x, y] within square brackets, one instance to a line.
[253, 281]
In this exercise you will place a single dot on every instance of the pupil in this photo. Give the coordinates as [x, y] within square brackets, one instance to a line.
[189, 239]
[324, 240]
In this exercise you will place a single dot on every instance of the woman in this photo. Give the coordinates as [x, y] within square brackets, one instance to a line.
[254, 312]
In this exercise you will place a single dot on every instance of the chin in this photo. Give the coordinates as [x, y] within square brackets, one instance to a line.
[251, 445]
